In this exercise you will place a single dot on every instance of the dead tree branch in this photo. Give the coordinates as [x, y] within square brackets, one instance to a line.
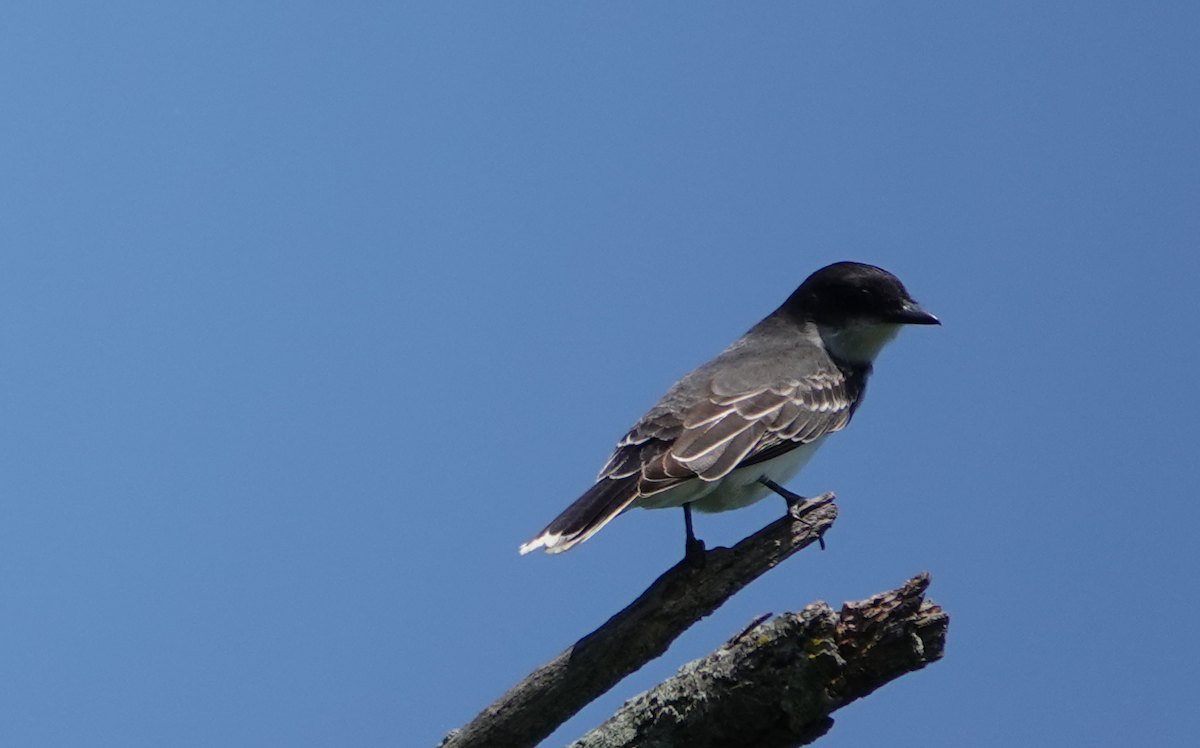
[550, 695]
[775, 684]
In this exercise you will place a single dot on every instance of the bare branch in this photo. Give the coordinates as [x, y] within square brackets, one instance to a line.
[550, 695]
[775, 684]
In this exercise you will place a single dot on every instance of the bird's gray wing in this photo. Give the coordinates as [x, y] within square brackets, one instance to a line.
[742, 416]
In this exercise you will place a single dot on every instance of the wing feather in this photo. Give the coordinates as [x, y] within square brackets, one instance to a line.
[762, 404]
[734, 451]
[773, 419]
[706, 411]
[698, 442]
[723, 426]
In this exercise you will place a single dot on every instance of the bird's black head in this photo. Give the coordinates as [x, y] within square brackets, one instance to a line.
[850, 292]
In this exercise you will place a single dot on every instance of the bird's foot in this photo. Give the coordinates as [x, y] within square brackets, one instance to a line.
[808, 505]
[798, 505]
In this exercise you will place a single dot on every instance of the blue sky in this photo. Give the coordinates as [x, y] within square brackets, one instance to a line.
[311, 313]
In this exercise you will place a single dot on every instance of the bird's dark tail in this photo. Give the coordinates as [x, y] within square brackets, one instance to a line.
[598, 505]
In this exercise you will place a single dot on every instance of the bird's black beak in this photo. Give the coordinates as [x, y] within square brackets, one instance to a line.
[913, 314]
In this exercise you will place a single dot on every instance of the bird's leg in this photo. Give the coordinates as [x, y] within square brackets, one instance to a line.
[792, 499]
[693, 551]
[798, 505]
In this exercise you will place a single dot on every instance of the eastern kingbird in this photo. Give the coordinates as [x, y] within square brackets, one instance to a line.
[737, 427]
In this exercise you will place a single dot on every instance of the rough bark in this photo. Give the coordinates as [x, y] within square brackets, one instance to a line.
[550, 695]
[775, 684]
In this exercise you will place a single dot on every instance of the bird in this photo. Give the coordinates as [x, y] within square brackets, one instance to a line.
[735, 429]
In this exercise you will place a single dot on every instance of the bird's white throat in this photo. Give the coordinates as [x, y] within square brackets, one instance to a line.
[859, 341]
